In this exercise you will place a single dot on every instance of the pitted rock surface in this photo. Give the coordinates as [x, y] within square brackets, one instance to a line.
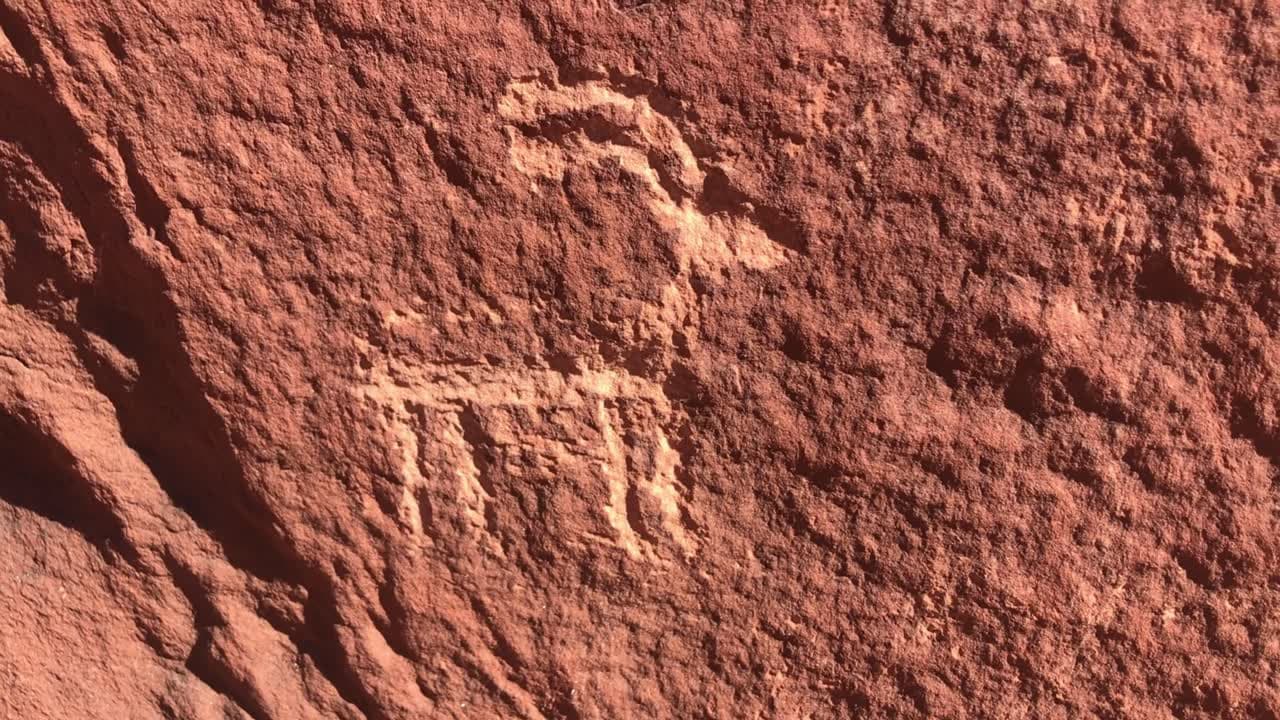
[390, 359]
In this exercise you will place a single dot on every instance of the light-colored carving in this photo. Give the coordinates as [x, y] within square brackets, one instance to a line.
[619, 420]
[648, 145]
[639, 137]
[616, 421]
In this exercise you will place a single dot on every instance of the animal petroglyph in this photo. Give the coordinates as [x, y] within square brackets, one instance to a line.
[606, 422]
[594, 421]
[554, 126]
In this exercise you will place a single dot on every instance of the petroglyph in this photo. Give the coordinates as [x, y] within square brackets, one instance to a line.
[613, 419]
[535, 420]
[554, 126]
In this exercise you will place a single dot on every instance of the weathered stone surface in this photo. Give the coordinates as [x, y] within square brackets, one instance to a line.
[404, 359]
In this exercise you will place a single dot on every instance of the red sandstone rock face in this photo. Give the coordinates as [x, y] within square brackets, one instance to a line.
[395, 359]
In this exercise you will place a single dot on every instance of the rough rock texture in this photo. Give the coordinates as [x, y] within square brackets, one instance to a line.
[404, 359]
